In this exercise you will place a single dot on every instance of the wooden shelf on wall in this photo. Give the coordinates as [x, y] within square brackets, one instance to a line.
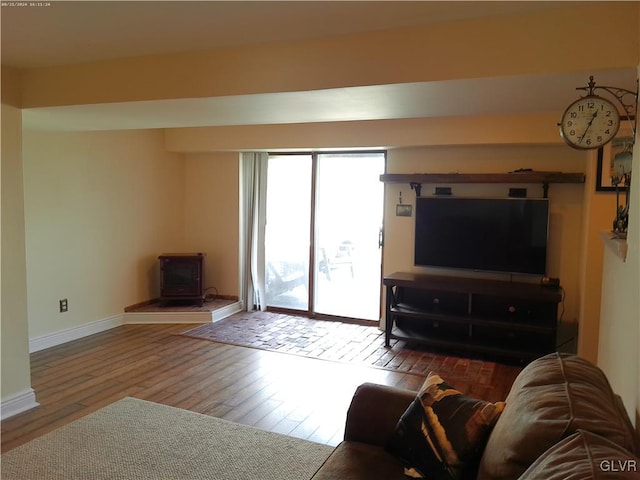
[516, 177]
[545, 178]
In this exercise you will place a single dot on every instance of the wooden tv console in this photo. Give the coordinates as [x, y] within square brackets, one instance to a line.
[501, 318]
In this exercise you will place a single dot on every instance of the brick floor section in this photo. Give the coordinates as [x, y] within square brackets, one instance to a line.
[354, 343]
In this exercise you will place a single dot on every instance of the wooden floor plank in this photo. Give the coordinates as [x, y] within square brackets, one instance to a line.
[288, 394]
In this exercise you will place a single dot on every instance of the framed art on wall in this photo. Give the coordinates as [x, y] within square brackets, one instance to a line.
[404, 210]
[622, 142]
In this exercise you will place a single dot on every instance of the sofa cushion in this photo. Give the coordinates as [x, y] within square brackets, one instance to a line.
[359, 461]
[552, 398]
[584, 456]
[442, 432]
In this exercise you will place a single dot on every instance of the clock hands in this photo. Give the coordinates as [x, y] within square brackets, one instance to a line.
[589, 122]
[593, 117]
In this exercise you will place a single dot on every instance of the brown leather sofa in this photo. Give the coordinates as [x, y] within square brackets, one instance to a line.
[561, 421]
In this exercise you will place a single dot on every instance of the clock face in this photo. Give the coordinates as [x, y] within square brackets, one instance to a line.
[589, 122]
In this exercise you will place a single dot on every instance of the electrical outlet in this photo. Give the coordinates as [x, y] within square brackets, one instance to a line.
[64, 305]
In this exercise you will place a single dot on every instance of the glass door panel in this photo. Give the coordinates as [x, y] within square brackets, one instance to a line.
[288, 231]
[349, 209]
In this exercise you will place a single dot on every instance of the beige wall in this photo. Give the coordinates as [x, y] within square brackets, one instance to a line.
[619, 340]
[16, 375]
[211, 217]
[598, 213]
[99, 209]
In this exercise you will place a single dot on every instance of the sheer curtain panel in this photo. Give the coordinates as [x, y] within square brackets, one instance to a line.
[253, 187]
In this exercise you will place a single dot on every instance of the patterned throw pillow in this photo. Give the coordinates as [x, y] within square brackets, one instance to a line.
[442, 432]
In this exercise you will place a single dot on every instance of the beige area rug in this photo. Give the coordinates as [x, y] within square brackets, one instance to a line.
[136, 439]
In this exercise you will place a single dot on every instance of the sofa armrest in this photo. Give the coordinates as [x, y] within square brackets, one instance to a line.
[374, 413]
[625, 416]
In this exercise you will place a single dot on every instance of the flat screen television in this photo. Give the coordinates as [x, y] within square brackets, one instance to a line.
[486, 234]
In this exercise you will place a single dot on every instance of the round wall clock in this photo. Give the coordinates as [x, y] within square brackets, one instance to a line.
[589, 122]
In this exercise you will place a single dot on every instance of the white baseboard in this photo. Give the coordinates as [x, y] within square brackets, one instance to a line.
[63, 336]
[226, 311]
[166, 317]
[182, 317]
[18, 403]
[73, 333]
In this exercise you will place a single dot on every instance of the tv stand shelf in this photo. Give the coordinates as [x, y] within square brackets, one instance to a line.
[501, 318]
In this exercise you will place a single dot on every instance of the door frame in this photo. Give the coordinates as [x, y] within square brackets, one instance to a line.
[310, 312]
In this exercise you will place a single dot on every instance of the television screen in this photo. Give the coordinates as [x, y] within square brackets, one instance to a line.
[488, 234]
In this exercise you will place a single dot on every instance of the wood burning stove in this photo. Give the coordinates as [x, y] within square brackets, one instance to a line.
[182, 277]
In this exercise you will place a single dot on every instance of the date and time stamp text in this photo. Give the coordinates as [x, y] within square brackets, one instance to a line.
[25, 4]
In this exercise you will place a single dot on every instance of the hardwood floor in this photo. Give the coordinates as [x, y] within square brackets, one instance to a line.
[292, 395]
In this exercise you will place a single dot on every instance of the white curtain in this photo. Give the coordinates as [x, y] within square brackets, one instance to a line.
[253, 187]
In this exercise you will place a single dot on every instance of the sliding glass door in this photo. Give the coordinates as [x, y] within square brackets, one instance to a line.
[324, 221]
[348, 218]
[287, 238]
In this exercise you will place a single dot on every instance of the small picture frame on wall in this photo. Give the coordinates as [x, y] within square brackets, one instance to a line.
[607, 154]
[404, 210]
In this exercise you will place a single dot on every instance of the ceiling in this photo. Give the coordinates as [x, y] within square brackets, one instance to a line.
[76, 32]
[69, 32]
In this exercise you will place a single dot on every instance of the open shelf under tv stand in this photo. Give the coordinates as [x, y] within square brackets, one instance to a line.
[499, 318]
